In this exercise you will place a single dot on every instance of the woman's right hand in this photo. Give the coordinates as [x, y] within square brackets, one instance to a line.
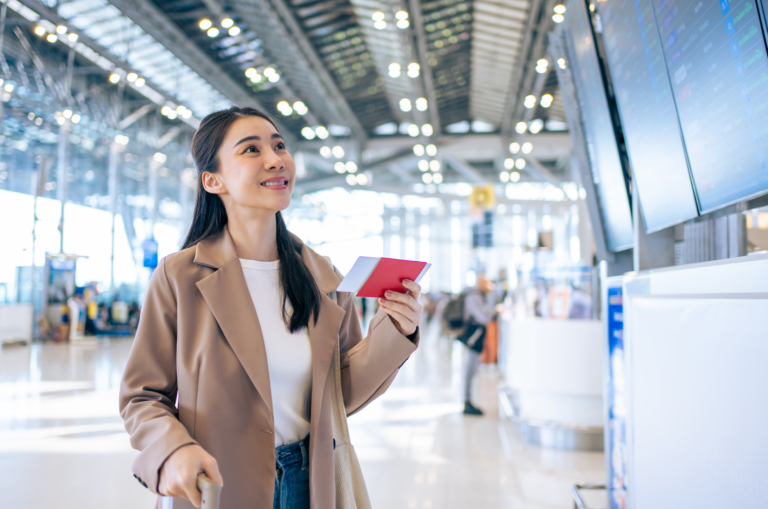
[178, 476]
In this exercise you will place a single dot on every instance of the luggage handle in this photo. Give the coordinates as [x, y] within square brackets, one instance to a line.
[210, 490]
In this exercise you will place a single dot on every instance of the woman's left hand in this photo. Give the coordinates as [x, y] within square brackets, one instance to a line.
[404, 308]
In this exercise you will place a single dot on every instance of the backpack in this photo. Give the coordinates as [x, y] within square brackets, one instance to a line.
[453, 316]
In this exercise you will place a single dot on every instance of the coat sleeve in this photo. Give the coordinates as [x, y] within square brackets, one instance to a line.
[148, 389]
[370, 364]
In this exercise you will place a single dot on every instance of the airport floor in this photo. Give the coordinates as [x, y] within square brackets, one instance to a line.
[63, 445]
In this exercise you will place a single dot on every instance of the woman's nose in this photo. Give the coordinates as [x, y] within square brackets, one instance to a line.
[273, 161]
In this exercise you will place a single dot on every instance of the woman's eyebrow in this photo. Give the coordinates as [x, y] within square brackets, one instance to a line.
[249, 138]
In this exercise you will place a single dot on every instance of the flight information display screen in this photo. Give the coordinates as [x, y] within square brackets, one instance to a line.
[600, 136]
[716, 58]
[648, 113]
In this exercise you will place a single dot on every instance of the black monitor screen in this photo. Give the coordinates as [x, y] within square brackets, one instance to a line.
[599, 132]
[716, 58]
[648, 113]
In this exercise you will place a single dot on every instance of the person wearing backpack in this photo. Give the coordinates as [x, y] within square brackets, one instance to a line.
[466, 317]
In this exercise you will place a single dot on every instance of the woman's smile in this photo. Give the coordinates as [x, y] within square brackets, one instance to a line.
[276, 183]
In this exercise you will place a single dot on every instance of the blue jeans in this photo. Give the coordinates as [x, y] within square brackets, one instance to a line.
[292, 476]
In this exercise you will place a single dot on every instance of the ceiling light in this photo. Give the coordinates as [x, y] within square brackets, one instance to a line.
[520, 164]
[31, 116]
[339, 167]
[114, 78]
[504, 176]
[325, 152]
[165, 110]
[509, 163]
[227, 22]
[300, 108]
[521, 127]
[39, 30]
[427, 130]
[514, 176]
[172, 114]
[321, 132]
[351, 180]
[181, 109]
[421, 104]
[401, 15]
[413, 70]
[308, 133]
[427, 178]
[8, 87]
[121, 139]
[559, 9]
[61, 120]
[405, 104]
[234, 31]
[535, 127]
[338, 152]
[51, 38]
[67, 113]
[61, 29]
[140, 82]
[131, 77]
[284, 108]
[437, 178]
[275, 77]
[205, 24]
[530, 101]
[558, 18]
[72, 37]
[434, 165]
[160, 157]
[380, 25]
[561, 63]
[413, 130]
[351, 166]
[269, 71]
[431, 150]
[378, 16]
[403, 24]
[424, 165]
[418, 150]
[362, 179]
[38, 121]
[527, 147]
[514, 147]
[251, 72]
[213, 32]
[542, 62]
[546, 101]
[187, 114]
[394, 70]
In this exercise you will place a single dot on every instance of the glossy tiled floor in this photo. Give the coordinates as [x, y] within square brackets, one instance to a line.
[62, 443]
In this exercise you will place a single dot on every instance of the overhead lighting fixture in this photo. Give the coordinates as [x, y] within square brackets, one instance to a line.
[172, 114]
[509, 163]
[400, 15]
[530, 101]
[61, 120]
[427, 130]
[402, 24]
[546, 101]
[67, 113]
[541, 65]
[405, 104]
[437, 178]
[326, 152]
[51, 38]
[8, 87]
[140, 82]
[339, 167]
[72, 37]
[431, 150]
[514, 176]
[535, 127]
[514, 147]
[559, 9]
[321, 132]
[527, 147]
[274, 78]
[61, 29]
[434, 165]
[205, 24]
[520, 164]
[394, 70]
[40, 31]
[504, 176]
[413, 70]
[308, 133]
[362, 179]
[338, 152]
[159, 157]
[421, 104]
[378, 18]
[213, 32]
[351, 180]
[424, 165]
[413, 130]
[426, 178]
[521, 127]
[114, 77]
[227, 22]
[165, 110]
[558, 18]
[284, 108]
[251, 72]
[300, 108]
[418, 150]
[132, 76]
[234, 31]
[561, 63]
[351, 166]
[121, 139]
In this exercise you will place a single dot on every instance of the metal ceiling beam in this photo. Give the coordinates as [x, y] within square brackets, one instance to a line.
[417, 25]
[165, 31]
[465, 169]
[541, 172]
[136, 115]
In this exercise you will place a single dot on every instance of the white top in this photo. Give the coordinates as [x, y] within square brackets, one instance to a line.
[289, 356]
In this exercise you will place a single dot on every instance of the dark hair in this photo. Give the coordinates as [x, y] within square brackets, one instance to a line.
[210, 218]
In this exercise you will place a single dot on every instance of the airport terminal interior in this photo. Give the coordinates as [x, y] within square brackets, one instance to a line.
[581, 187]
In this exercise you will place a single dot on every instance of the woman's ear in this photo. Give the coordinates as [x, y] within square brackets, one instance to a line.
[213, 183]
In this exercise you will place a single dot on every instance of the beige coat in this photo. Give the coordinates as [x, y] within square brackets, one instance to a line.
[197, 373]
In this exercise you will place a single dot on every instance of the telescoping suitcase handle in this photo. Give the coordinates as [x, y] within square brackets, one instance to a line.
[210, 490]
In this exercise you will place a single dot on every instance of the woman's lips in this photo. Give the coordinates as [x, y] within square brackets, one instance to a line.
[276, 184]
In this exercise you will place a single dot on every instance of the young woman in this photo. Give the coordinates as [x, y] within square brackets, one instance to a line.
[229, 371]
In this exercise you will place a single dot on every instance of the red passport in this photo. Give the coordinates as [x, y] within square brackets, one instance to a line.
[371, 277]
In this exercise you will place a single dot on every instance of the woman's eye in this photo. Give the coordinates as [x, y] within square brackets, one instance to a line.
[281, 146]
[251, 149]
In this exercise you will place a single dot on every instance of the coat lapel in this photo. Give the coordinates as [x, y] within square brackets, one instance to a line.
[228, 298]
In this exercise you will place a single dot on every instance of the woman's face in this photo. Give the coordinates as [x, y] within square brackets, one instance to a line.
[255, 169]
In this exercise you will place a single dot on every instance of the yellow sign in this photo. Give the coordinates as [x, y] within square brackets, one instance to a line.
[482, 196]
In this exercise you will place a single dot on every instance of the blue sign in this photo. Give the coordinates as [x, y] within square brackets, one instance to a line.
[616, 429]
[150, 253]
